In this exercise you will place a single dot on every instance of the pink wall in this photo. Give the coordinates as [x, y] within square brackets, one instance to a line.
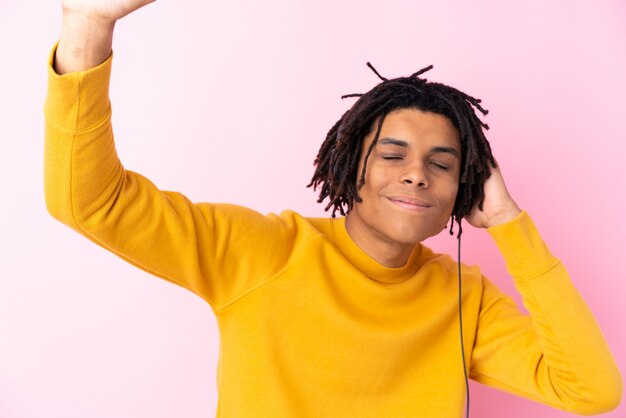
[219, 100]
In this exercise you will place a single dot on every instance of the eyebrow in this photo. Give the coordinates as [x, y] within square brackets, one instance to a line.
[393, 141]
[446, 150]
[404, 144]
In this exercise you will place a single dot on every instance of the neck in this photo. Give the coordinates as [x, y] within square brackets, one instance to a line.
[382, 249]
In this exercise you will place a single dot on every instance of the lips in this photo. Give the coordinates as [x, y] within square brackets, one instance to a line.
[410, 203]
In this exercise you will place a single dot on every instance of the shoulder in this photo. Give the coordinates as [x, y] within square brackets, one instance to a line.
[443, 264]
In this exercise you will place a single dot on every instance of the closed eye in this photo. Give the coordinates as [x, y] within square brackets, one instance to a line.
[440, 165]
[392, 157]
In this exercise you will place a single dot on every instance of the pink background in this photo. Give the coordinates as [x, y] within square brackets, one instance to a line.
[229, 101]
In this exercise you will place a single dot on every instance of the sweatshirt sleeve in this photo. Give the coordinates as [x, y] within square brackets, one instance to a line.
[217, 251]
[557, 355]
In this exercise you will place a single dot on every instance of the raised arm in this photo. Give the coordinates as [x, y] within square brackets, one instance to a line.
[210, 249]
[557, 355]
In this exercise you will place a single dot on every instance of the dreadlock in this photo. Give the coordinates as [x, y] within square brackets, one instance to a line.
[338, 158]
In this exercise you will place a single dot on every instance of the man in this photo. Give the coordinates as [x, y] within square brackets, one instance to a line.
[348, 316]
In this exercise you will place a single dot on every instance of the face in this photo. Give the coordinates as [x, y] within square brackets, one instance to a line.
[411, 181]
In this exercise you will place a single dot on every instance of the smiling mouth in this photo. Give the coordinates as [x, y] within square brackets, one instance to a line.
[411, 204]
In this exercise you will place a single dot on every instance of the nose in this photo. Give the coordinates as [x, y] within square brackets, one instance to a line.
[416, 175]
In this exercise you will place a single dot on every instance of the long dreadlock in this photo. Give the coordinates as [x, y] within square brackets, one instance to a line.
[338, 158]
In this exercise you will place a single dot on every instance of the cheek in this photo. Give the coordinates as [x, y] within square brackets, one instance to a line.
[376, 180]
[449, 198]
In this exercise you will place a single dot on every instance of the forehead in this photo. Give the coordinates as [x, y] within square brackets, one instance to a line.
[416, 126]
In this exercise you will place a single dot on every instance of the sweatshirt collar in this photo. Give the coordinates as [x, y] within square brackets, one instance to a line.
[366, 264]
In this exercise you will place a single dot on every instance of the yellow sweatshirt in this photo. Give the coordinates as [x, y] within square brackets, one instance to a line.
[310, 325]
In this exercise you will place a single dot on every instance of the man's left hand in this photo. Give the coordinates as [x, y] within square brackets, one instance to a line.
[498, 207]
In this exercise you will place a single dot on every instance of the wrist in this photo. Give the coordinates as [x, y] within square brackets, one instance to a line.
[85, 42]
[504, 216]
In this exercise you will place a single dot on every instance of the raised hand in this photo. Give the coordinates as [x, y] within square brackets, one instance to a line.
[499, 207]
